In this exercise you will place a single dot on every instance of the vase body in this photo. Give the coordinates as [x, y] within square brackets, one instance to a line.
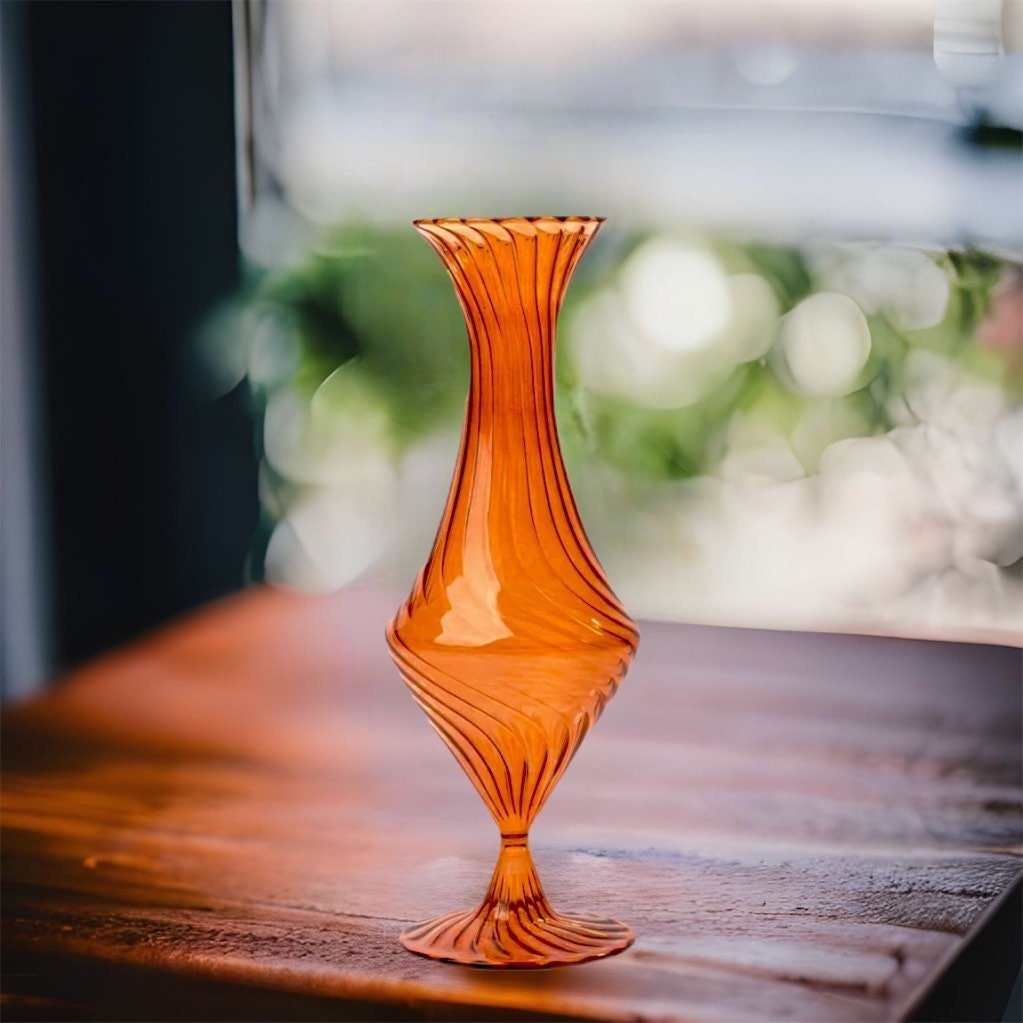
[511, 640]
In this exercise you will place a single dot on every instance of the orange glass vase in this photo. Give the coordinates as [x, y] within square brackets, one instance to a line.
[511, 639]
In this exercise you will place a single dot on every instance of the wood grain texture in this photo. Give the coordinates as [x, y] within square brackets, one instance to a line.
[798, 826]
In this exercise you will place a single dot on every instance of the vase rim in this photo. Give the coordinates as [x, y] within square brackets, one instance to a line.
[573, 219]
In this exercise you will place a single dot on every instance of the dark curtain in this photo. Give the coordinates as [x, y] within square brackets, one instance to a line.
[151, 482]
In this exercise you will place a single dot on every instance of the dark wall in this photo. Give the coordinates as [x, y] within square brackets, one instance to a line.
[152, 485]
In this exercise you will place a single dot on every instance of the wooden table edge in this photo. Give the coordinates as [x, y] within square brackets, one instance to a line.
[1002, 918]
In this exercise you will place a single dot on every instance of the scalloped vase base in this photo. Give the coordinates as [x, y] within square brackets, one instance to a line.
[514, 940]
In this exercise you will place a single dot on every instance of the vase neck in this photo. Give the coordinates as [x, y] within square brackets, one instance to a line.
[510, 277]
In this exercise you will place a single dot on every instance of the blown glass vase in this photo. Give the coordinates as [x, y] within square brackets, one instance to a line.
[511, 639]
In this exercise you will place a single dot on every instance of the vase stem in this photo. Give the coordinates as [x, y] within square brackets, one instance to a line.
[515, 886]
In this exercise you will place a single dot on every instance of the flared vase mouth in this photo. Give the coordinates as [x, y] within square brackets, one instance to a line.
[505, 221]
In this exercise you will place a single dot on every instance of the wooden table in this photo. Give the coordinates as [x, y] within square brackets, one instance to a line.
[234, 818]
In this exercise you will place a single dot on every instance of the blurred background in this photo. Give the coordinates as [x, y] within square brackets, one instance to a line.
[790, 376]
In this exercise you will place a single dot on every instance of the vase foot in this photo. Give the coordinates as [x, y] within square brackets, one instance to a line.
[513, 940]
[515, 926]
